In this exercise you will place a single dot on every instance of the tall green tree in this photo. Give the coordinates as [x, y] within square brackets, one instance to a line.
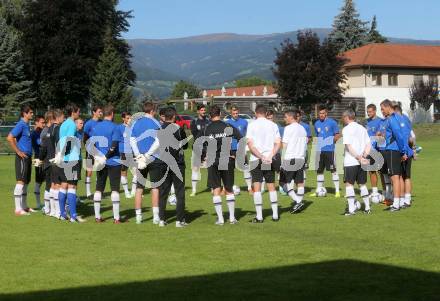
[349, 31]
[111, 82]
[251, 81]
[374, 35]
[309, 73]
[425, 94]
[182, 86]
[14, 87]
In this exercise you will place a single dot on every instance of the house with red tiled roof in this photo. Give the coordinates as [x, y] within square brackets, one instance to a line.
[379, 71]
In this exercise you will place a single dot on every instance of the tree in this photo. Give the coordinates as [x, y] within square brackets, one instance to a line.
[251, 81]
[182, 86]
[424, 94]
[349, 31]
[110, 84]
[309, 73]
[374, 35]
[14, 87]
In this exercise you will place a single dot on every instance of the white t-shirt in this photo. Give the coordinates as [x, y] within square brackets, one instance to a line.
[357, 136]
[295, 137]
[263, 133]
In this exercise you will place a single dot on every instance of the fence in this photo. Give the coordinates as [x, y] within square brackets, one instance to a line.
[5, 149]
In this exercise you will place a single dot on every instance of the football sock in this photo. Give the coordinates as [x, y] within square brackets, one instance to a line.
[396, 202]
[402, 201]
[124, 184]
[62, 196]
[18, 194]
[365, 197]
[319, 181]
[133, 185]
[24, 204]
[97, 204]
[375, 190]
[248, 179]
[300, 194]
[336, 181]
[195, 179]
[71, 201]
[37, 194]
[56, 204]
[230, 199]
[156, 213]
[258, 201]
[349, 194]
[52, 201]
[408, 198]
[138, 212]
[305, 177]
[217, 200]
[273, 196]
[47, 202]
[115, 202]
[172, 190]
[291, 192]
[88, 184]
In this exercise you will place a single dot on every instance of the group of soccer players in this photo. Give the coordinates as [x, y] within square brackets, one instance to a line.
[153, 149]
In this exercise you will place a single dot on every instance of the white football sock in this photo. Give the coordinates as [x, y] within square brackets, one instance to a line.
[230, 199]
[156, 213]
[172, 190]
[116, 203]
[47, 202]
[133, 185]
[336, 181]
[273, 196]
[349, 194]
[248, 179]
[408, 198]
[52, 201]
[138, 211]
[365, 197]
[24, 204]
[258, 201]
[319, 181]
[195, 179]
[18, 194]
[124, 184]
[97, 204]
[402, 201]
[374, 190]
[291, 192]
[300, 194]
[217, 201]
[56, 203]
[396, 203]
[37, 194]
[88, 184]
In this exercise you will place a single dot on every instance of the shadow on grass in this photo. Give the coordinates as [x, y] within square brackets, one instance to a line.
[334, 280]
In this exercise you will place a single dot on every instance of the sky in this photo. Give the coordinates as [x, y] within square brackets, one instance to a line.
[162, 19]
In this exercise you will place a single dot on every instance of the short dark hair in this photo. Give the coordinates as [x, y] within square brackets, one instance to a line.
[387, 103]
[270, 112]
[293, 113]
[234, 108]
[169, 113]
[39, 117]
[108, 110]
[96, 107]
[57, 113]
[261, 109]
[48, 116]
[214, 111]
[148, 107]
[349, 113]
[397, 105]
[25, 109]
[71, 108]
[322, 108]
[162, 111]
[199, 107]
[125, 114]
[372, 106]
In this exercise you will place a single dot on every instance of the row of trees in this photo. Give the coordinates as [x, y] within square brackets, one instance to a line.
[64, 51]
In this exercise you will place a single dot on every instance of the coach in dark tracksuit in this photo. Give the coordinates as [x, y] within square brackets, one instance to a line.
[177, 152]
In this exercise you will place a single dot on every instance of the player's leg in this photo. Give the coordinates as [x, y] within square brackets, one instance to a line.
[247, 176]
[134, 180]
[407, 182]
[71, 200]
[214, 183]
[157, 172]
[114, 174]
[298, 177]
[394, 170]
[362, 182]
[349, 179]
[257, 179]
[269, 176]
[38, 180]
[228, 178]
[27, 164]
[89, 172]
[101, 180]
[179, 187]
[47, 193]
[195, 177]
[331, 166]
[19, 184]
[140, 186]
[319, 173]
[164, 191]
[124, 180]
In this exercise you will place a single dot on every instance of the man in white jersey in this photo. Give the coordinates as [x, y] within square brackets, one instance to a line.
[264, 141]
[357, 148]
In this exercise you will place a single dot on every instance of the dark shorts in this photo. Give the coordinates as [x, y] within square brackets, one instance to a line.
[384, 169]
[89, 157]
[123, 158]
[47, 178]
[113, 173]
[218, 177]
[289, 176]
[276, 162]
[327, 162]
[406, 168]
[23, 169]
[394, 163]
[355, 174]
[39, 175]
[258, 174]
[67, 175]
[156, 172]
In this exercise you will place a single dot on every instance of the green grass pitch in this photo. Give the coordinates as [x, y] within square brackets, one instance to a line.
[315, 255]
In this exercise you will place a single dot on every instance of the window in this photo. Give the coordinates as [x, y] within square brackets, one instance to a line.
[377, 79]
[418, 78]
[393, 79]
[433, 78]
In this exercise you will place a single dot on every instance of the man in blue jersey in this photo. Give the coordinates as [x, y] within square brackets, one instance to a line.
[327, 131]
[36, 143]
[88, 127]
[20, 141]
[305, 124]
[106, 138]
[144, 143]
[397, 149]
[124, 148]
[241, 125]
[67, 160]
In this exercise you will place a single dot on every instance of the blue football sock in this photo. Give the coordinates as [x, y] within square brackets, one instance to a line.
[62, 200]
[71, 200]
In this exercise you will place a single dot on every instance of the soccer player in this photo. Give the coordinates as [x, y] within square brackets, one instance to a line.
[88, 127]
[276, 161]
[373, 127]
[264, 141]
[327, 131]
[198, 127]
[107, 163]
[20, 141]
[36, 142]
[305, 124]
[357, 149]
[171, 179]
[221, 171]
[124, 148]
[144, 143]
[396, 150]
[294, 150]
[241, 125]
[69, 171]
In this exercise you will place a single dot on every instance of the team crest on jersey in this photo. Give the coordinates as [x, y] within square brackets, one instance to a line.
[319, 130]
[326, 129]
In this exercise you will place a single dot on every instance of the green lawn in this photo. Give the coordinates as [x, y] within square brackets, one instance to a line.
[316, 255]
